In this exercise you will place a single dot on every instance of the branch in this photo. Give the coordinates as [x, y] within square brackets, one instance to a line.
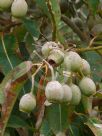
[82, 36]
[88, 49]
[54, 31]
[9, 26]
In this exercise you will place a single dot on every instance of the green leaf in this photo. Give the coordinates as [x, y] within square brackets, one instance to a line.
[2, 97]
[95, 62]
[95, 126]
[57, 115]
[32, 27]
[45, 129]
[93, 5]
[7, 134]
[43, 7]
[16, 122]
[10, 47]
[11, 87]
[56, 11]
[87, 104]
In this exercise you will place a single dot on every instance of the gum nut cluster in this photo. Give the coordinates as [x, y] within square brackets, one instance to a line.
[27, 103]
[87, 86]
[72, 61]
[19, 8]
[4, 4]
[55, 91]
[47, 47]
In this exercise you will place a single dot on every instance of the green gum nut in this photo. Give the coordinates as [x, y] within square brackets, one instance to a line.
[56, 57]
[67, 93]
[54, 91]
[85, 68]
[87, 86]
[27, 103]
[19, 8]
[4, 4]
[72, 61]
[76, 94]
[47, 47]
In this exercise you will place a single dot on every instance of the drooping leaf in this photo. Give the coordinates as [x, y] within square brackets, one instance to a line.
[77, 127]
[10, 48]
[95, 126]
[57, 114]
[32, 27]
[93, 4]
[43, 7]
[56, 11]
[11, 87]
[7, 134]
[16, 122]
[45, 129]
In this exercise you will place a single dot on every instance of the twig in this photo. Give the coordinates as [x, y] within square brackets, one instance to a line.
[54, 30]
[82, 36]
[40, 117]
[9, 26]
[88, 49]
[13, 24]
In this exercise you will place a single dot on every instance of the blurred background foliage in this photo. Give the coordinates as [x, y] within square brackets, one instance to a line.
[75, 24]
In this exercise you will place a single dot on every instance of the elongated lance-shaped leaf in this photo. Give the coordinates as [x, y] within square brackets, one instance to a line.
[95, 126]
[11, 87]
[57, 115]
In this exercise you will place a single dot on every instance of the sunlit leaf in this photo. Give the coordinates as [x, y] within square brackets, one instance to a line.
[11, 87]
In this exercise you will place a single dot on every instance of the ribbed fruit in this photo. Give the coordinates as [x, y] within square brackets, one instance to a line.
[76, 94]
[54, 91]
[72, 61]
[85, 67]
[4, 4]
[56, 57]
[67, 93]
[27, 103]
[47, 47]
[19, 8]
[87, 86]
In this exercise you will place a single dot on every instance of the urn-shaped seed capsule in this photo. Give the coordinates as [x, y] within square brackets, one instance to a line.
[85, 67]
[87, 86]
[56, 57]
[72, 61]
[67, 93]
[54, 91]
[76, 94]
[19, 8]
[47, 47]
[27, 103]
[4, 4]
